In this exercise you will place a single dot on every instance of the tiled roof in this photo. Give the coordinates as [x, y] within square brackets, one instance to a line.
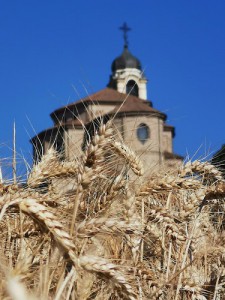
[109, 94]
[167, 127]
[105, 96]
[137, 106]
[71, 124]
[124, 105]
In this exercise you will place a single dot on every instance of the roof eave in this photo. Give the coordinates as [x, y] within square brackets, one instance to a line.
[54, 129]
[137, 113]
[170, 129]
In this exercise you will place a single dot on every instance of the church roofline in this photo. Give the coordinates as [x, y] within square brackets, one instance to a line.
[136, 114]
[61, 126]
[44, 133]
[130, 110]
[104, 96]
[171, 128]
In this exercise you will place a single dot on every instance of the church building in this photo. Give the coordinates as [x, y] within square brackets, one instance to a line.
[125, 101]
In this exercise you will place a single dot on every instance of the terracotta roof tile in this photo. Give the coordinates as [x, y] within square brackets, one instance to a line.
[136, 106]
[168, 127]
[109, 94]
[103, 96]
[132, 104]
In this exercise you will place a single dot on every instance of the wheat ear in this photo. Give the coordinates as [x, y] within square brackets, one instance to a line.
[129, 156]
[88, 169]
[106, 225]
[206, 169]
[95, 149]
[163, 216]
[132, 217]
[44, 168]
[168, 183]
[40, 212]
[97, 265]
[104, 267]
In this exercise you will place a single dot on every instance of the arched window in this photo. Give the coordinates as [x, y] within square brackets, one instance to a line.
[143, 133]
[132, 88]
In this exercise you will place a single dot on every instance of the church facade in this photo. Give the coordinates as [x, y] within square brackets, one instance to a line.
[125, 102]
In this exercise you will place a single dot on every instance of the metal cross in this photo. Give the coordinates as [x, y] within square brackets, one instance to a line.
[125, 29]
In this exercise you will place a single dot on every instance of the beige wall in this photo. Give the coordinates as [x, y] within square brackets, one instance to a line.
[151, 152]
[73, 142]
[154, 143]
[167, 141]
[150, 160]
[118, 127]
[97, 110]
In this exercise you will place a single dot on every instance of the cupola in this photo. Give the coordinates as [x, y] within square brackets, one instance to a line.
[126, 60]
[127, 74]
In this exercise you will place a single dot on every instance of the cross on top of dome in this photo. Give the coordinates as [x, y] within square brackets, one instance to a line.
[125, 29]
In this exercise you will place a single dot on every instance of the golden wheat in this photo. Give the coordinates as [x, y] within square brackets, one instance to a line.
[86, 229]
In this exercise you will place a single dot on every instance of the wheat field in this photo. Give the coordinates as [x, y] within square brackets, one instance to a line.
[98, 227]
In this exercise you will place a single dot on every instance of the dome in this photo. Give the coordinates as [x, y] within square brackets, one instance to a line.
[126, 60]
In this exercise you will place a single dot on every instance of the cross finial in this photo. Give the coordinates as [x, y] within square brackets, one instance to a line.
[125, 29]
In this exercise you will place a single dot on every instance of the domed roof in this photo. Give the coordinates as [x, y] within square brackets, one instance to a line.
[126, 60]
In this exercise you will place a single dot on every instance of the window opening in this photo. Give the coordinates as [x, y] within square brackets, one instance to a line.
[143, 133]
[132, 88]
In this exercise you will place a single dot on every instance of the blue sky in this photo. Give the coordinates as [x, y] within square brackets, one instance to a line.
[49, 47]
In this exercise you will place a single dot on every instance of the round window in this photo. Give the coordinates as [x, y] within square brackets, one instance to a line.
[143, 133]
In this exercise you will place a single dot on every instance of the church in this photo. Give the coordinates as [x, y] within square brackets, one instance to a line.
[126, 103]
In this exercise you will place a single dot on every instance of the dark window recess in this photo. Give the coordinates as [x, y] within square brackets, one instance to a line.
[60, 147]
[132, 88]
[143, 133]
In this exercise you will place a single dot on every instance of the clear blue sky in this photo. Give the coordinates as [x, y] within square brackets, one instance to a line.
[46, 47]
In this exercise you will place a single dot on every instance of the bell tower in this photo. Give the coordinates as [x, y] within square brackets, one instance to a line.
[127, 75]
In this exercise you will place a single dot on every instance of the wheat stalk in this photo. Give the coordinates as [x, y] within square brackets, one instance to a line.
[129, 156]
[84, 229]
